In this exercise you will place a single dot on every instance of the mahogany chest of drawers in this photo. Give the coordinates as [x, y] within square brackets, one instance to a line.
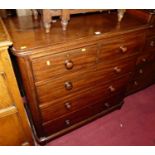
[144, 74]
[73, 77]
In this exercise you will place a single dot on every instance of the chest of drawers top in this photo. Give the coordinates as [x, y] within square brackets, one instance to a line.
[28, 34]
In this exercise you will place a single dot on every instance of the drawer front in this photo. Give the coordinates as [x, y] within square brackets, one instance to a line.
[150, 44]
[145, 58]
[144, 77]
[70, 84]
[121, 48]
[151, 31]
[81, 115]
[63, 63]
[82, 99]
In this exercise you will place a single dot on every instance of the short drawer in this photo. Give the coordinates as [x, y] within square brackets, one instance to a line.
[63, 63]
[82, 115]
[69, 84]
[81, 99]
[121, 47]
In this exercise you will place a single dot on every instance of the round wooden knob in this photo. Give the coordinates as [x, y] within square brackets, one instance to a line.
[69, 64]
[68, 85]
[68, 105]
[107, 104]
[135, 83]
[123, 49]
[152, 43]
[117, 69]
[143, 59]
[112, 89]
[67, 122]
[151, 26]
[141, 71]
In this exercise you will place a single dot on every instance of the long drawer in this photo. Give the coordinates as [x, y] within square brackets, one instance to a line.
[81, 115]
[69, 84]
[81, 99]
[67, 62]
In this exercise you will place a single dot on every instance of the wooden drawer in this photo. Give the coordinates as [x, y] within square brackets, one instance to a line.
[145, 76]
[151, 31]
[121, 47]
[81, 115]
[70, 84]
[150, 44]
[68, 104]
[145, 58]
[63, 63]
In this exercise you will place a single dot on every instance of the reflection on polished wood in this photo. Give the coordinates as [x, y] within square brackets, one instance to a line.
[65, 14]
[33, 35]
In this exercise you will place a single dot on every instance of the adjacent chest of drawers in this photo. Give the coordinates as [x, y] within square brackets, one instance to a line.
[144, 74]
[14, 126]
[73, 78]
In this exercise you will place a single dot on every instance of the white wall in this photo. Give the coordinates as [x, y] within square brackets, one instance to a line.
[24, 12]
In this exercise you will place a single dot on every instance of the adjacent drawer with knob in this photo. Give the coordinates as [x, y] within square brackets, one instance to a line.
[150, 44]
[145, 58]
[144, 76]
[81, 116]
[63, 63]
[121, 47]
[81, 99]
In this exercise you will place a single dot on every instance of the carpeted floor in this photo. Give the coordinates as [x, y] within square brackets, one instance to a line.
[133, 125]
